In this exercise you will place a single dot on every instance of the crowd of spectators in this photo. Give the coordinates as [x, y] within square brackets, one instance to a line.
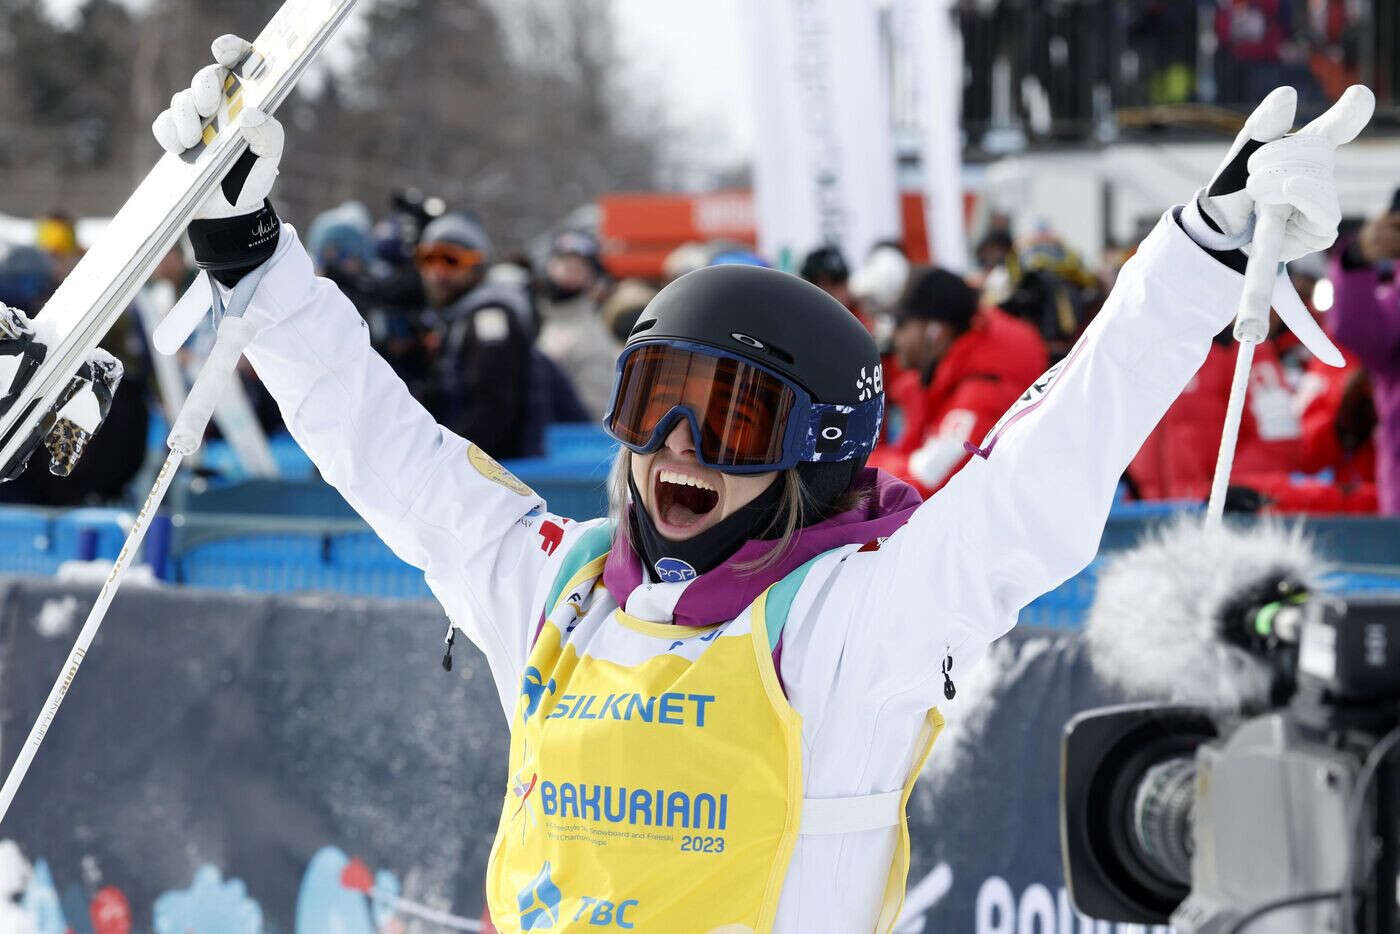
[497, 349]
[1313, 438]
[1074, 67]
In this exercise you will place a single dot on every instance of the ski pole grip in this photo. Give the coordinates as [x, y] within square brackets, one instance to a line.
[233, 337]
[1252, 319]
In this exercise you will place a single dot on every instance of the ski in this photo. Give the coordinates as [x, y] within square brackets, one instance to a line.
[91, 299]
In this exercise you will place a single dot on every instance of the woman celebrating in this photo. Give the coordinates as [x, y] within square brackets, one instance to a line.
[720, 696]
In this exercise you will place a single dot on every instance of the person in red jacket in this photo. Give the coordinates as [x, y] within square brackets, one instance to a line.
[1339, 417]
[1178, 459]
[963, 367]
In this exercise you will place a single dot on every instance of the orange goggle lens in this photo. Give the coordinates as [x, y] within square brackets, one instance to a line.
[448, 256]
[741, 411]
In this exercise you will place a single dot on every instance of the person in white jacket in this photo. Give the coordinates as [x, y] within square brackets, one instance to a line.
[719, 697]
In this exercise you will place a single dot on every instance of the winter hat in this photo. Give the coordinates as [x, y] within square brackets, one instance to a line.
[578, 243]
[460, 230]
[825, 264]
[937, 295]
[344, 231]
[56, 235]
[26, 277]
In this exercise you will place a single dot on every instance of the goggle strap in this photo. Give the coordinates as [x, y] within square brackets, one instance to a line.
[842, 432]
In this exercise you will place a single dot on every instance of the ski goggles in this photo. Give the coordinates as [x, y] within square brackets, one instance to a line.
[744, 418]
[448, 256]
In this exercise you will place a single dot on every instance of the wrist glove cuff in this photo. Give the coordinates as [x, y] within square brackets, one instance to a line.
[230, 247]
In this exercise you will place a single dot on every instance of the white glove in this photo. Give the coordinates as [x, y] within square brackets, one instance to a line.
[180, 127]
[1265, 167]
[77, 414]
[235, 230]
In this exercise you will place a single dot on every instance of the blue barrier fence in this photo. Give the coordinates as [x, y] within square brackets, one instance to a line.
[267, 556]
[299, 535]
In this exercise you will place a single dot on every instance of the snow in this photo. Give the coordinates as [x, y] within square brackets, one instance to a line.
[57, 617]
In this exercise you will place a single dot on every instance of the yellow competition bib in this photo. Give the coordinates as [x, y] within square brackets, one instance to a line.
[656, 776]
[663, 795]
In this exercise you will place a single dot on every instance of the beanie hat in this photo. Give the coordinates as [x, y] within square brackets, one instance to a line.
[938, 295]
[461, 230]
[825, 264]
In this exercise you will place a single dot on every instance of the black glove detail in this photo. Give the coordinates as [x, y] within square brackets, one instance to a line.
[1231, 179]
[232, 247]
[17, 340]
[233, 182]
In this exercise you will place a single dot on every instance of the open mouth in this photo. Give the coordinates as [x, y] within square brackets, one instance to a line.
[681, 500]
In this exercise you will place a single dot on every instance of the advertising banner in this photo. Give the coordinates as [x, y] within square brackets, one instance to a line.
[824, 164]
[237, 763]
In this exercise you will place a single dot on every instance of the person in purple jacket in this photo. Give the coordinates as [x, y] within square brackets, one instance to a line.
[1365, 319]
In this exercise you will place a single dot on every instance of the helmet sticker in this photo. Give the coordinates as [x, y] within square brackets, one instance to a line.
[750, 341]
[870, 384]
[843, 432]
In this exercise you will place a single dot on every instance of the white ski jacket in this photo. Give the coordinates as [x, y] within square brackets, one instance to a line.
[868, 628]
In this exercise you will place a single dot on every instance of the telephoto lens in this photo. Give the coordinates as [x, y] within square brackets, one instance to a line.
[1127, 805]
[1164, 810]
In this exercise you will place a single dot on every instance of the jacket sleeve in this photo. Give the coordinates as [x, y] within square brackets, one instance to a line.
[1365, 319]
[483, 539]
[1027, 511]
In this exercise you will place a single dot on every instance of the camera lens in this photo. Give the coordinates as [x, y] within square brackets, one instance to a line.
[1127, 800]
[1163, 816]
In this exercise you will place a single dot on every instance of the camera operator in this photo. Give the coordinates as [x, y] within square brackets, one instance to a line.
[1365, 320]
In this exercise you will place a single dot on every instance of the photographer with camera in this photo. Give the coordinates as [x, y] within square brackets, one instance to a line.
[1365, 319]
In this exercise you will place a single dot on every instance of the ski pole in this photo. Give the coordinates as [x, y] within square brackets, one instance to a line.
[1251, 327]
[431, 915]
[185, 437]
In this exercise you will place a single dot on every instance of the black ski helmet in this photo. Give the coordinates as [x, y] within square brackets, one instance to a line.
[781, 322]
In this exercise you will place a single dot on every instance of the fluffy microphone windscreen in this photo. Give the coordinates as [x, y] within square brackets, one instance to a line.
[1154, 628]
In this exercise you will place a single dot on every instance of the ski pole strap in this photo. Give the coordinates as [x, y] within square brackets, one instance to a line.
[1205, 231]
[239, 298]
[234, 336]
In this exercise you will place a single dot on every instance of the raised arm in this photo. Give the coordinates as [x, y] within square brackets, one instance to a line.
[483, 539]
[1028, 510]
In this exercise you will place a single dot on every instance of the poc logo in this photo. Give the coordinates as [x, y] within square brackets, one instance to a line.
[605, 914]
[674, 571]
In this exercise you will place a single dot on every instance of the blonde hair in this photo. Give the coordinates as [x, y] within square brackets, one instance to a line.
[795, 510]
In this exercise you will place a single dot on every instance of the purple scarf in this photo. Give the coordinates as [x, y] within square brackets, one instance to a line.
[722, 594]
